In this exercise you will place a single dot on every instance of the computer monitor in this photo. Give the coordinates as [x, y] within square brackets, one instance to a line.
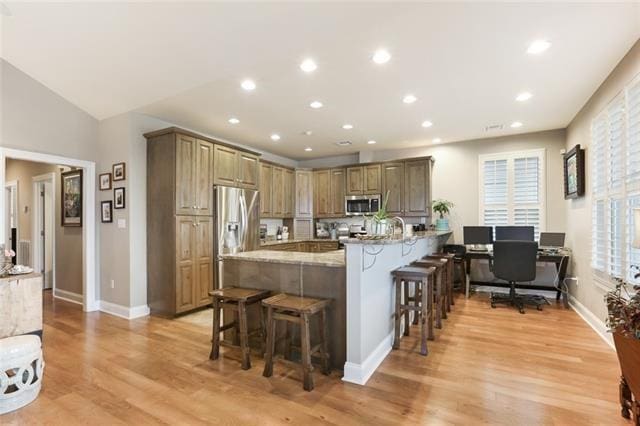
[522, 233]
[552, 239]
[477, 235]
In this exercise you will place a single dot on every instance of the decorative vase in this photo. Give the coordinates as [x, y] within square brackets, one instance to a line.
[380, 227]
[442, 224]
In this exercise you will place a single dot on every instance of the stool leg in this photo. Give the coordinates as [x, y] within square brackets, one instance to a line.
[423, 321]
[324, 334]
[287, 340]
[407, 312]
[263, 329]
[429, 291]
[236, 329]
[438, 295]
[452, 299]
[417, 291]
[244, 336]
[306, 353]
[271, 343]
[215, 341]
[444, 290]
[398, 313]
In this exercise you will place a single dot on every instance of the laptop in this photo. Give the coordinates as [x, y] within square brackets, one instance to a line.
[551, 241]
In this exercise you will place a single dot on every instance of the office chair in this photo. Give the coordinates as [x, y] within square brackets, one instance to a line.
[515, 261]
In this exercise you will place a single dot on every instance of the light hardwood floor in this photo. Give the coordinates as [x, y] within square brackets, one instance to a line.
[487, 366]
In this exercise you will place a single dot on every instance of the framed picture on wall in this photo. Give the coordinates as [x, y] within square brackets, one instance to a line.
[71, 198]
[106, 209]
[119, 171]
[118, 198]
[105, 181]
[574, 173]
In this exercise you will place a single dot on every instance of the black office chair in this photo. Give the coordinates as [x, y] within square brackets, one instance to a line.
[515, 261]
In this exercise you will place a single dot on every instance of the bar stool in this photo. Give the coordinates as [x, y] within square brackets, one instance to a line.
[439, 292]
[459, 251]
[450, 258]
[237, 300]
[423, 302]
[298, 310]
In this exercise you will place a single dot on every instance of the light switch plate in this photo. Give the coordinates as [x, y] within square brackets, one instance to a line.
[122, 223]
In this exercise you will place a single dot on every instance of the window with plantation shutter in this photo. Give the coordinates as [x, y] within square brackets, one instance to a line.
[615, 171]
[512, 189]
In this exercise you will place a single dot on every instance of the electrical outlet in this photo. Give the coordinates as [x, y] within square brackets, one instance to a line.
[113, 284]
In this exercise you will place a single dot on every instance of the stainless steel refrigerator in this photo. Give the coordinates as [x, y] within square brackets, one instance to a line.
[237, 218]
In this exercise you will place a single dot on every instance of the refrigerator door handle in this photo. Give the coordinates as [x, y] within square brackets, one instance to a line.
[244, 221]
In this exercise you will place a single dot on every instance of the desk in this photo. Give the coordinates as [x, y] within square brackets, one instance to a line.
[543, 257]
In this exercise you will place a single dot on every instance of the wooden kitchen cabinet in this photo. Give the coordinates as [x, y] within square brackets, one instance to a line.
[289, 186]
[277, 192]
[417, 187]
[304, 194]
[322, 193]
[337, 188]
[393, 182]
[193, 175]
[266, 183]
[364, 180]
[233, 167]
[247, 170]
[277, 187]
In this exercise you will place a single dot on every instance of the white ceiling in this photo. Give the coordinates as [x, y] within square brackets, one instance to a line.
[184, 63]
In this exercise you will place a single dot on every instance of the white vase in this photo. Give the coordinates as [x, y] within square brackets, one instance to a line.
[380, 227]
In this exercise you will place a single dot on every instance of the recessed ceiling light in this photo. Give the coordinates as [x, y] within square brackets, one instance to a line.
[307, 133]
[343, 143]
[427, 123]
[308, 149]
[308, 65]
[437, 140]
[516, 124]
[248, 85]
[538, 46]
[315, 104]
[347, 126]
[234, 120]
[371, 142]
[381, 56]
[275, 137]
[524, 96]
[409, 99]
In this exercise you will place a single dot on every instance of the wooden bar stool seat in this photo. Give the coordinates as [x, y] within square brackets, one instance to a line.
[439, 291]
[298, 310]
[422, 302]
[237, 300]
[450, 269]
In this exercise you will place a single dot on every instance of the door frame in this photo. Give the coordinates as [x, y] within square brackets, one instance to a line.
[36, 224]
[89, 213]
[5, 221]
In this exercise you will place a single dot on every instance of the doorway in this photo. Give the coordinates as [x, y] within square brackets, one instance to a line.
[44, 228]
[11, 218]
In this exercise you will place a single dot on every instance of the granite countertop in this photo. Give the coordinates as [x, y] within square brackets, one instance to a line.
[19, 277]
[303, 240]
[334, 258]
[397, 239]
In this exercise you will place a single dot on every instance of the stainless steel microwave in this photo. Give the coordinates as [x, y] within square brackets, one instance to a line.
[358, 205]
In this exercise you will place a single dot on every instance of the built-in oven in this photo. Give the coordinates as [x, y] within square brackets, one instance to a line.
[358, 205]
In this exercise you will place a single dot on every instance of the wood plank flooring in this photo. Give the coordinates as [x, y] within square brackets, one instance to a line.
[487, 366]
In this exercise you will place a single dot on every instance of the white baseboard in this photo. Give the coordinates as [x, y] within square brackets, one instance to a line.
[124, 311]
[596, 323]
[67, 296]
[360, 373]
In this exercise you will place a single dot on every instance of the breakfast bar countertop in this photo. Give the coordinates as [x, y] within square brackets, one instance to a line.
[334, 258]
[267, 243]
[397, 239]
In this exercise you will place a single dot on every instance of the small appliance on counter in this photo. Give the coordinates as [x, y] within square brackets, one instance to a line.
[355, 230]
[285, 233]
[322, 230]
[342, 231]
[263, 231]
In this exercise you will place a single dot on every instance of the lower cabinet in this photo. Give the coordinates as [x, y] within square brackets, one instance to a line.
[305, 246]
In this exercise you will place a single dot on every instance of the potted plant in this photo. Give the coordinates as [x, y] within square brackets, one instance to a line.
[442, 207]
[623, 320]
[380, 219]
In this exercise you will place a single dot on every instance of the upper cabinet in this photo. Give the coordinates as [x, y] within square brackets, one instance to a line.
[276, 191]
[364, 180]
[289, 189]
[304, 194]
[329, 187]
[235, 168]
[417, 187]
[266, 182]
[338, 185]
[392, 182]
[194, 176]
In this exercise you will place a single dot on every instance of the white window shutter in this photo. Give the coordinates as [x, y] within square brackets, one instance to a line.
[633, 137]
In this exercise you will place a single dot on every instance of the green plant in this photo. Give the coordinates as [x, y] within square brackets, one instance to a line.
[382, 213]
[442, 207]
[623, 310]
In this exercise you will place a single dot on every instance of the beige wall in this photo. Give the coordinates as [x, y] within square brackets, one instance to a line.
[68, 240]
[587, 291]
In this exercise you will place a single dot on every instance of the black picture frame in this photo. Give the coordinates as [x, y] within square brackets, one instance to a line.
[104, 187]
[119, 171]
[119, 201]
[574, 173]
[71, 198]
[108, 218]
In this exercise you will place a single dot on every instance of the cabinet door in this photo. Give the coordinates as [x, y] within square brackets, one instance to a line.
[416, 188]
[204, 260]
[278, 192]
[304, 194]
[185, 268]
[225, 169]
[322, 193]
[355, 180]
[288, 192]
[185, 174]
[204, 178]
[372, 184]
[392, 181]
[338, 185]
[247, 170]
[266, 183]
